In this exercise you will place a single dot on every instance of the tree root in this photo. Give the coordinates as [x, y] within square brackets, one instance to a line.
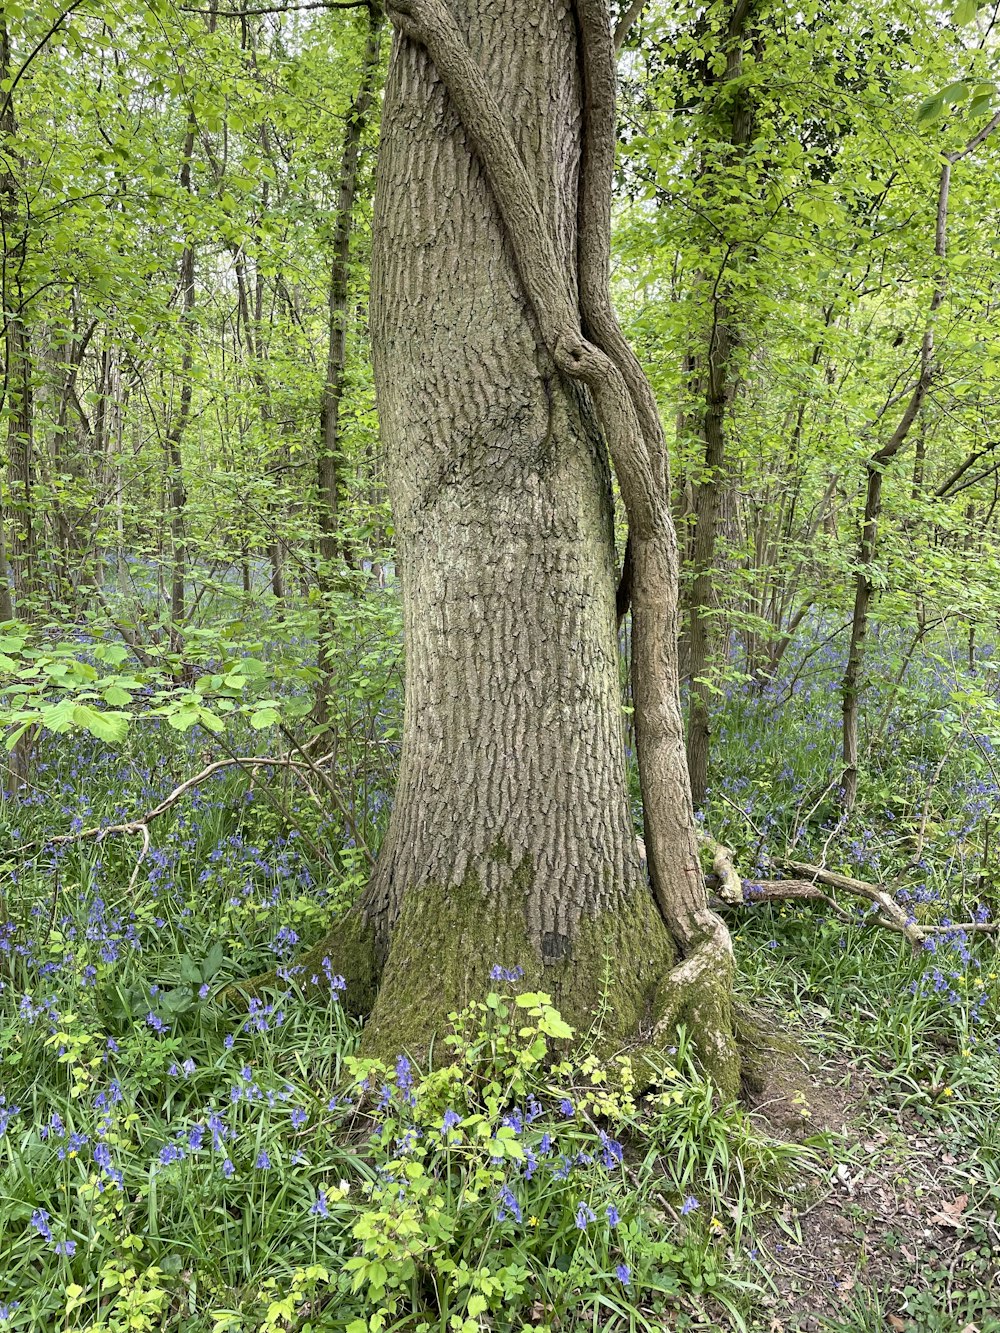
[698, 993]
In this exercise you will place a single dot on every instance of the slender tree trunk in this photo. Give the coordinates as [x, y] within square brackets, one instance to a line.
[851, 685]
[330, 455]
[719, 387]
[18, 517]
[175, 435]
[510, 839]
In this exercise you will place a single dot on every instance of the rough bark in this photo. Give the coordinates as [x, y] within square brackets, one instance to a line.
[503, 383]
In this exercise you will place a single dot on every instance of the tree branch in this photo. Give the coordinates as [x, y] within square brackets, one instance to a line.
[624, 25]
[278, 9]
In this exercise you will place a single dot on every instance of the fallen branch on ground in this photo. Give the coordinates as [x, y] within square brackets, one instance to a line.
[100, 831]
[734, 892]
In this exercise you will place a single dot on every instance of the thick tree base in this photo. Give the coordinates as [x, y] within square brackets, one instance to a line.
[604, 978]
[617, 981]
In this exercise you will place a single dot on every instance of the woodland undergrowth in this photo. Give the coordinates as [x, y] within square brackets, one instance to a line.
[168, 1163]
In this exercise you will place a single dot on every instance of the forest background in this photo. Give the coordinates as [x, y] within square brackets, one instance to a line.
[197, 571]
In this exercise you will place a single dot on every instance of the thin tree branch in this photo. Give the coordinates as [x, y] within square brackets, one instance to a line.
[277, 9]
[624, 25]
[39, 47]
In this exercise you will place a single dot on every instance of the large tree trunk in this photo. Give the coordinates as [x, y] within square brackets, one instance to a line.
[510, 840]
[502, 382]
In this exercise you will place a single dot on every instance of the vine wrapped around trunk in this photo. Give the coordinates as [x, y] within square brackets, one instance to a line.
[504, 382]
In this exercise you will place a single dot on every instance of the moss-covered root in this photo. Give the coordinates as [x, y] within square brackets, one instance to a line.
[698, 993]
[764, 1051]
[349, 946]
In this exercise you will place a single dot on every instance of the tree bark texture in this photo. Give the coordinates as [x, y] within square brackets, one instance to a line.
[503, 382]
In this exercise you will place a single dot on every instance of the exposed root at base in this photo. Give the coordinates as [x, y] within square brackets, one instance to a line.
[698, 993]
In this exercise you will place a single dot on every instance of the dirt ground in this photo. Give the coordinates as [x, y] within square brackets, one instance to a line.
[901, 1233]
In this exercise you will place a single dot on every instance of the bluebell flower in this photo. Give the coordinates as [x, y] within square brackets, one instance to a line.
[319, 1208]
[614, 1217]
[612, 1153]
[509, 1206]
[623, 1274]
[40, 1221]
[689, 1205]
[498, 973]
[404, 1078]
[263, 1162]
[584, 1215]
[450, 1121]
[65, 1247]
[299, 1117]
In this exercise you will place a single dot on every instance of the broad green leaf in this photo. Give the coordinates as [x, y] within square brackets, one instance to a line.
[930, 110]
[110, 727]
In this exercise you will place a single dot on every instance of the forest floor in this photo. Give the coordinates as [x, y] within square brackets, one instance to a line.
[900, 1235]
[203, 1168]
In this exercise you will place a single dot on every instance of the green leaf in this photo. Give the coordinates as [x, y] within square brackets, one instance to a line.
[182, 719]
[210, 722]
[15, 736]
[110, 727]
[955, 92]
[965, 12]
[930, 110]
[213, 961]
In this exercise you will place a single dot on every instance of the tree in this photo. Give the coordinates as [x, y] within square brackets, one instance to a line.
[503, 383]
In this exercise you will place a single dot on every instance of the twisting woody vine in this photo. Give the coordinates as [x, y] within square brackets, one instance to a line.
[583, 336]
